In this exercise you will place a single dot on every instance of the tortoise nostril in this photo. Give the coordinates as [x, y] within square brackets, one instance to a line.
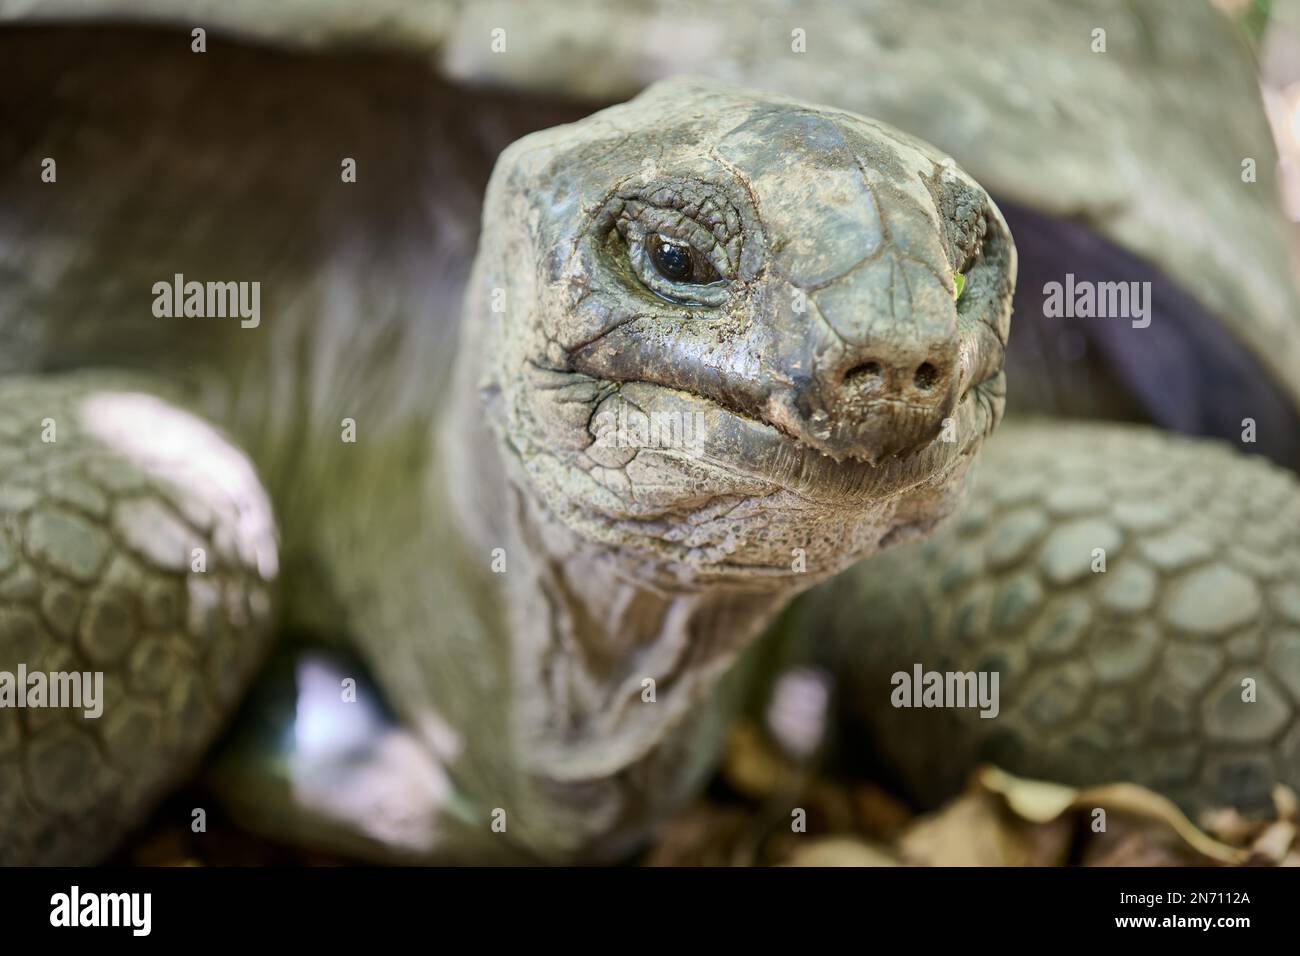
[865, 370]
[925, 377]
[886, 401]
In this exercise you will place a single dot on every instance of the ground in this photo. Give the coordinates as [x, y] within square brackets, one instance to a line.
[749, 817]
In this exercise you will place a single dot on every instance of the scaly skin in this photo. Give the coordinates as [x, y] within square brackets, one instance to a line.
[105, 493]
[1131, 674]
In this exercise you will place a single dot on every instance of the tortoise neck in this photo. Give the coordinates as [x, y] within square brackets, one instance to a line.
[618, 657]
[618, 691]
[622, 690]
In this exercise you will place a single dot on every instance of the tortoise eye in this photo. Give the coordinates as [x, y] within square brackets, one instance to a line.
[672, 261]
[679, 262]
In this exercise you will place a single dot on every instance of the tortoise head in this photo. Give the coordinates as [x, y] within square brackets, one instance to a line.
[735, 332]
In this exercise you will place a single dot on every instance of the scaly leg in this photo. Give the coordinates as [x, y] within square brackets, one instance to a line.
[1138, 596]
[137, 550]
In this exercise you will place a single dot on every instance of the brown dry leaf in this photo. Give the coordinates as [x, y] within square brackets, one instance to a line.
[703, 835]
[880, 814]
[1128, 843]
[1150, 806]
[1229, 826]
[1274, 843]
[1040, 799]
[165, 846]
[975, 830]
[1135, 842]
[1037, 801]
[1269, 840]
[1286, 803]
[751, 766]
[830, 807]
[835, 851]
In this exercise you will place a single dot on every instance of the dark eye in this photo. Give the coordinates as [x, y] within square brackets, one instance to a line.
[672, 261]
[679, 262]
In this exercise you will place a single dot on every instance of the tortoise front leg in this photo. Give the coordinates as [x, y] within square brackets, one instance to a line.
[137, 552]
[1137, 595]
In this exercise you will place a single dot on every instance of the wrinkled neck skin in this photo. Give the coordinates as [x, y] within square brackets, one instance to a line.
[615, 714]
[591, 627]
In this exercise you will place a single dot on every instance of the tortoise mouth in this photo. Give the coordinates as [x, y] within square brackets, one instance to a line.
[720, 438]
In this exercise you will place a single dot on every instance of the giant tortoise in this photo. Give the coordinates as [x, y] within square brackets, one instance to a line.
[552, 477]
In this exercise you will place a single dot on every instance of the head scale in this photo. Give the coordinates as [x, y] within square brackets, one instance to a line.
[719, 330]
